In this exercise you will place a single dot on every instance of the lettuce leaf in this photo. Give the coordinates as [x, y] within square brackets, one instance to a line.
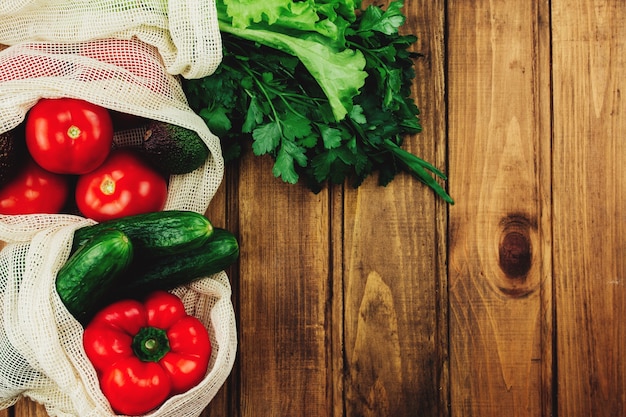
[313, 31]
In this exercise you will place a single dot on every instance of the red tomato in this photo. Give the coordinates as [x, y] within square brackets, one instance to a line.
[68, 136]
[34, 190]
[123, 185]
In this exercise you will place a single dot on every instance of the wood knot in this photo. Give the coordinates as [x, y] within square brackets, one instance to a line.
[515, 254]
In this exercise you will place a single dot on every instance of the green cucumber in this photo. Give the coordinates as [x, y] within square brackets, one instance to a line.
[168, 272]
[92, 271]
[156, 233]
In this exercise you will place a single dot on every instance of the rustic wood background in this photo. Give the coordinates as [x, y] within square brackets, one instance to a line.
[387, 302]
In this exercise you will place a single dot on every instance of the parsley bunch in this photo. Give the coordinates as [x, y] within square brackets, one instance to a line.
[270, 95]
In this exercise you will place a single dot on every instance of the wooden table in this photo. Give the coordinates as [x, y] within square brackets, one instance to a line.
[387, 302]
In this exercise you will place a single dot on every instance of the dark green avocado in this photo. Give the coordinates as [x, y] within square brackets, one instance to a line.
[12, 153]
[173, 149]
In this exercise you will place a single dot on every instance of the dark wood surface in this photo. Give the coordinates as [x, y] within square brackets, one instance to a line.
[387, 302]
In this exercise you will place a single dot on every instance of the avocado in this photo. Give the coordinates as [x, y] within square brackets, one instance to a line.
[12, 153]
[173, 149]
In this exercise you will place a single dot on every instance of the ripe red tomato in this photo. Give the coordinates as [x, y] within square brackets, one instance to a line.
[123, 185]
[68, 136]
[34, 190]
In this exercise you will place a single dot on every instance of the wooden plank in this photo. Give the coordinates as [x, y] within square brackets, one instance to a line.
[499, 239]
[28, 408]
[284, 293]
[218, 213]
[589, 196]
[392, 264]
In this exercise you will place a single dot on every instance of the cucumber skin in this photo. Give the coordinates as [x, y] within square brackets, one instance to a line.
[91, 272]
[167, 272]
[156, 233]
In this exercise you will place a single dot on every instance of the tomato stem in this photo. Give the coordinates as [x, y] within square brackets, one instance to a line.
[73, 132]
[151, 344]
[107, 186]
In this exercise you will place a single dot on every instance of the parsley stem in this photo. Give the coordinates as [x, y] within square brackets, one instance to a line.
[419, 168]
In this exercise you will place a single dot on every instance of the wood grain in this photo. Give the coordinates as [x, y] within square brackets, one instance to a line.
[218, 213]
[28, 408]
[387, 302]
[284, 291]
[392, 255]
[499, 228]
[589, 195]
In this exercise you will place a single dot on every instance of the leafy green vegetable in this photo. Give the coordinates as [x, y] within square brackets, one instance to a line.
[340, 73]
[321, 86]
[312, 31]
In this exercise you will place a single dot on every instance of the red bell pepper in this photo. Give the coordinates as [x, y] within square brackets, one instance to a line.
[146, 352]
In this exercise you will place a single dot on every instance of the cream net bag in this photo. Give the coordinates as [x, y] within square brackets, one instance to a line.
[184, 31]
[124, 55]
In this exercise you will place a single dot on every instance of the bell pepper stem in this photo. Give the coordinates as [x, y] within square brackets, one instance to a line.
[151, 344]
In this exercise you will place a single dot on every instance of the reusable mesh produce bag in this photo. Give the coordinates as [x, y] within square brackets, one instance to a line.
[41, 343]
[122, 75]
[185, 32]
[124, 55]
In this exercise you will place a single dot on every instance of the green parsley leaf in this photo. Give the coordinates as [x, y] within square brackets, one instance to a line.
[387, 22]
[266, 138]
[254, 116]
[284, 165]
[295, 126]
[217, 120]
[331, 137]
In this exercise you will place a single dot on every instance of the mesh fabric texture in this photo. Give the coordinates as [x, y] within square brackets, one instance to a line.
[41, 343]
[185, 32]
[127, 56]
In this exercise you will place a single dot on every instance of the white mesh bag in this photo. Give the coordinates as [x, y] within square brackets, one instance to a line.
[185, 32]
[41, 343]
[124, 58]
[122, 75]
